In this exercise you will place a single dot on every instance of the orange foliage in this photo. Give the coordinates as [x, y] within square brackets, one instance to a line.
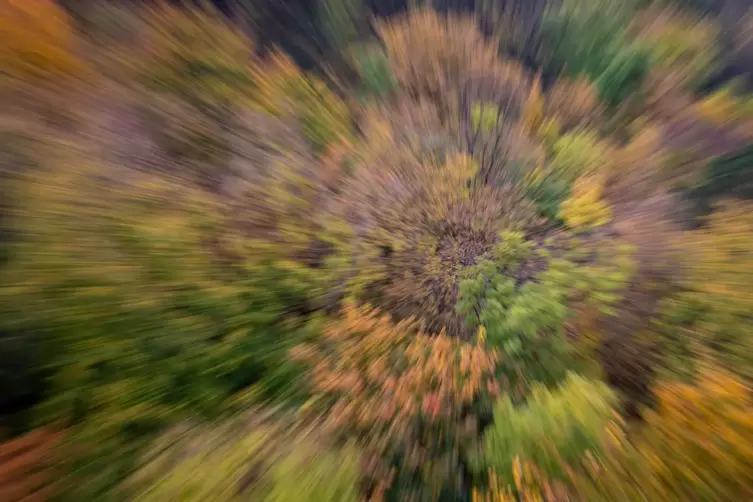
[401, 393]
[533, 111]
[36, 40]
[24, 467]
[334, 163]
[430, 53]
[636, 167]
[439, 57]
[573, 103]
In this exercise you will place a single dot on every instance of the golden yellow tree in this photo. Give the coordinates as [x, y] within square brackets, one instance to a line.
[37, 40]
[699, 441]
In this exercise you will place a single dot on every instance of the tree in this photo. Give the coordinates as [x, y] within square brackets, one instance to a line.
[416, 404]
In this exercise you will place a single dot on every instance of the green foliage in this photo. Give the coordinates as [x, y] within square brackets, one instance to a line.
[683, 44]
[711, 316]
[324, 118]
[623, 76]
[584, 37]
[548, 193]
[526, 318]
[144, 324]
[342, 21]
[484, 117]
[265, 463]
[573, 155]
[374, 69]
[22, 358]
[554, 429]
[723, 175]
[576, 154]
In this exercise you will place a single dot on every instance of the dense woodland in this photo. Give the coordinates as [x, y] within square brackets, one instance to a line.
[341, 250]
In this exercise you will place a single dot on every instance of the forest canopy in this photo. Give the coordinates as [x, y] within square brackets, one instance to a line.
[340, 250]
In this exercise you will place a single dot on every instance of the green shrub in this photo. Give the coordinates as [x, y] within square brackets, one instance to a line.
[680, 43]
[572, 155]
[374, 69]
[145, 321]
[266, 463]
[522, 295]
[723, 175]
[578, 153]
[711, 316]
[342, 21]
[585, 37]
[554, 429]
[623, 77]
[525, 320]
[548, 193]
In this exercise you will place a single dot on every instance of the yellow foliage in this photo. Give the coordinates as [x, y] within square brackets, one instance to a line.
[586, 209]
[530, 485]
[36, 39]
[678, 42]
[282, 89]
[699, 441]
[719, 107]
[722, 261]
[195, 53]
[696, 445]
[723, 107]
[720, 280]
[533, 111]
